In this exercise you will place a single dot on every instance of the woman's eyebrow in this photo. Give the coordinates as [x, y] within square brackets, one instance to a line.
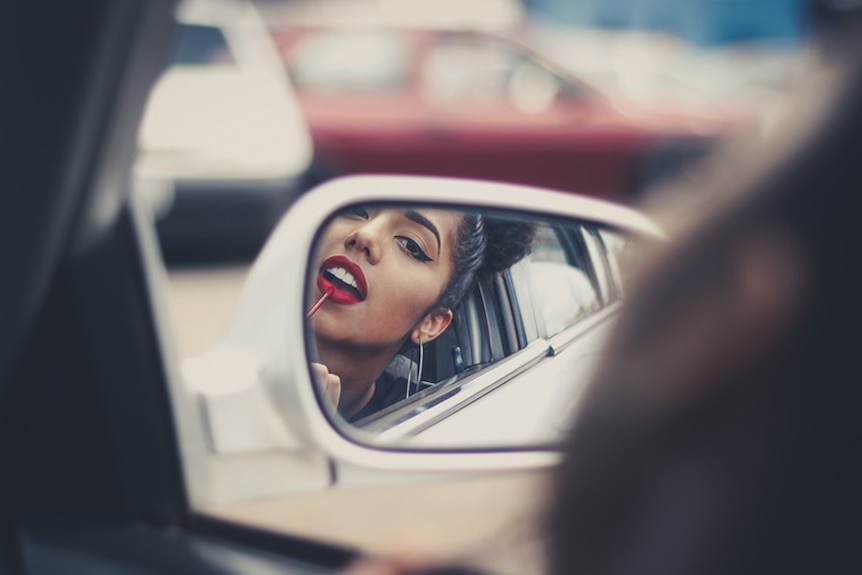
[422, 220]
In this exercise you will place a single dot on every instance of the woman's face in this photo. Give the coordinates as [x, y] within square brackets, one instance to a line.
[384, 269]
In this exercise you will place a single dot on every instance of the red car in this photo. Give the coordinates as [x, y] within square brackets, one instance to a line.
[475, 105]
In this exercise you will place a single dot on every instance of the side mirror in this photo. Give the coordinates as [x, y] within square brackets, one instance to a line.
[356, 281]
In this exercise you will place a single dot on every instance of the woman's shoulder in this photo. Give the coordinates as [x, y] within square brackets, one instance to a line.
[389, 388]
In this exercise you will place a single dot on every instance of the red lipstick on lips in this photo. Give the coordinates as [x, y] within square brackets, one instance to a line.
[343, 280]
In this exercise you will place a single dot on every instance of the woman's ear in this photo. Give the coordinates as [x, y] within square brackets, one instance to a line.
[432, 325]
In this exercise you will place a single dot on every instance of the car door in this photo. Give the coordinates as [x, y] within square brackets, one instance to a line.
[91, 477]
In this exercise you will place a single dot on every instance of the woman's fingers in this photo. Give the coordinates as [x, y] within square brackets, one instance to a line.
[328, 382]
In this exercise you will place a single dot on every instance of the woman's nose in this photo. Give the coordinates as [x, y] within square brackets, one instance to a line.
[366, 238]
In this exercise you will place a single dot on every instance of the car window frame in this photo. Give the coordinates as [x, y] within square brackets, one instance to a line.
[511, 299]
[499, 300]
[603, 282]
[433, 404]
[578, 256]
[573, 241]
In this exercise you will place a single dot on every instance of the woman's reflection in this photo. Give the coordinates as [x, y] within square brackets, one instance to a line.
[389, 279]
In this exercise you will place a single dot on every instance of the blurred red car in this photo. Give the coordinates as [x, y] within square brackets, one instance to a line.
[475, 105]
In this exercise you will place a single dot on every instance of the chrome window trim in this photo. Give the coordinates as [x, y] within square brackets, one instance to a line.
[595, 250]
[563, 339]
[611, 258]
[415, 417]
[523, 300]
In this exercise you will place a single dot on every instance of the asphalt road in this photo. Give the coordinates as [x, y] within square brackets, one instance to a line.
[201, 300]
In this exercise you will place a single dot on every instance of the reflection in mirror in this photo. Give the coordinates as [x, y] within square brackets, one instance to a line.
[457, 327]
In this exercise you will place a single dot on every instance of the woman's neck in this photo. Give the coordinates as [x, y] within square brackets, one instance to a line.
[358, 369]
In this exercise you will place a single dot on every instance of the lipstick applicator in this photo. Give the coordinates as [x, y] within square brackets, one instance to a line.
[318, 303]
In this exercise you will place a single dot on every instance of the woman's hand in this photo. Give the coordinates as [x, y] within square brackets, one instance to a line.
[328, 382]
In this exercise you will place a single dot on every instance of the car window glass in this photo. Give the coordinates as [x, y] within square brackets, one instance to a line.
[625, 257]
[597, 257]
[532, 88]
[472, 72]
[197, 44]
[350, 62]
[614, 247]
[458, 71]
[562, 292]
[548, 247]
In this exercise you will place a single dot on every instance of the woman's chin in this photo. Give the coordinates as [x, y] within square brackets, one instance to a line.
[328, 327]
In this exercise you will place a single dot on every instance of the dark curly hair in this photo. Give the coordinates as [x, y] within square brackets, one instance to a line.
[484, 246]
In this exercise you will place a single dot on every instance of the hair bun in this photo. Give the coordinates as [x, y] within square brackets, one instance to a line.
[508, 241]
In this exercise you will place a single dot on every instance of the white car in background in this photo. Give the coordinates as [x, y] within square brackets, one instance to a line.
[223, 146]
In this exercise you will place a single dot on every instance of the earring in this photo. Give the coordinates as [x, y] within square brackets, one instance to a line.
[419, 375]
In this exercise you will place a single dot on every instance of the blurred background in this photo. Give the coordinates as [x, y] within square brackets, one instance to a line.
[263, 100]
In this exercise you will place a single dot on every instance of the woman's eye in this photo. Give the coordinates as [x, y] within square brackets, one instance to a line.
[414, 249]
[355, 212]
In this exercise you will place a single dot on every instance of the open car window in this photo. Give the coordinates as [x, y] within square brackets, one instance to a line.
[562, 287]
[479, 337]
[554, 289]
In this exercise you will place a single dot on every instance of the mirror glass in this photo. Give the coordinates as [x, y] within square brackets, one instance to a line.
[459, 328]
